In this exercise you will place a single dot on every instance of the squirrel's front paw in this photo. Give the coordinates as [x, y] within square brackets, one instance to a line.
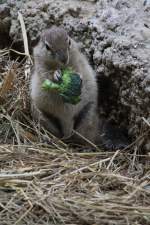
[57, 76]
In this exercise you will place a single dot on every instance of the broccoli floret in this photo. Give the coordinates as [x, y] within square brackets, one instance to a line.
[49, 85]
[69, 88]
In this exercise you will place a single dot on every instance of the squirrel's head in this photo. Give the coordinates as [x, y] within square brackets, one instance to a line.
[54, 46]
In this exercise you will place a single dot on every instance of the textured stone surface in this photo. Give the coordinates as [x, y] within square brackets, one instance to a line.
[115, 35]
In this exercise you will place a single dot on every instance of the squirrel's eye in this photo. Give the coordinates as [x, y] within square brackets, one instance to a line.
[69, 42]
[47, 47]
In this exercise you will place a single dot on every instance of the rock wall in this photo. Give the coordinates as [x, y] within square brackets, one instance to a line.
[115, 35]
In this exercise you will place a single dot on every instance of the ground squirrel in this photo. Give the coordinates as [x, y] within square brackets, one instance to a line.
[54, 50]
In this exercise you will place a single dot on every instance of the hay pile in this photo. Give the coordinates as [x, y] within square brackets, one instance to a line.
[44, 181]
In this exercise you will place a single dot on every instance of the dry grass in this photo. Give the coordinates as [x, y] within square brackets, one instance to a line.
[44, 181]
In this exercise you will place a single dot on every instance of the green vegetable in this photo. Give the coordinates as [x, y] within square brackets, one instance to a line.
[69, 87]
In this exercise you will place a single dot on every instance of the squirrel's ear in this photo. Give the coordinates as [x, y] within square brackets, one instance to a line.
[43, 34]
[43, 39]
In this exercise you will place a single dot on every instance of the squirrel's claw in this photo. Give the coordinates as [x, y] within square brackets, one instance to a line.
[57, 75]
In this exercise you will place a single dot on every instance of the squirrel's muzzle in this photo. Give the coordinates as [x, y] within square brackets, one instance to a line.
[63, 57]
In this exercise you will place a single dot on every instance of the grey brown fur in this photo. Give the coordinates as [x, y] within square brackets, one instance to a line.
[47, 106]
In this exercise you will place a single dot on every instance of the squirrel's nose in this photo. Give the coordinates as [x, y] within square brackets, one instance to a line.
[63, 58]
